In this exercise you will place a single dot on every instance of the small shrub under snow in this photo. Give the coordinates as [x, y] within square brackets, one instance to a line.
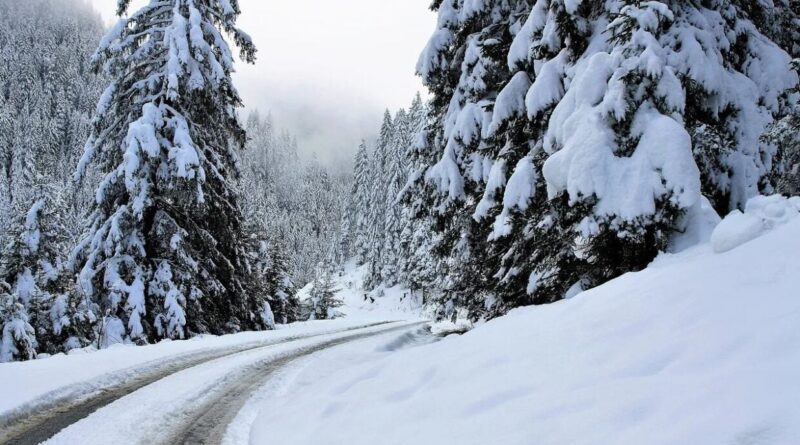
[762, 214]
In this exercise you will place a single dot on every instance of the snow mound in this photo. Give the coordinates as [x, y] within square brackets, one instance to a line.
[700, 348]
[697, 226]
[762, 214]
[445, 328]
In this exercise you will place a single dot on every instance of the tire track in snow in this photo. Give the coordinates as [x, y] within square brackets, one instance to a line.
[207, 423]
[40, 420]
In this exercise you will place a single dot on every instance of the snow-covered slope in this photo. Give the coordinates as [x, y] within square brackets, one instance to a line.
[700, 348]
[394, 303]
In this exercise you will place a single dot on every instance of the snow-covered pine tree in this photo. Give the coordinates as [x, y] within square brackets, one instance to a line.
[362, 189]
[378, 202]
[623, 207]
[262, 263]
[323, 295]
[729, 102]
[422, 268]
[62, 318]
[344, 248]
[513, 214]
[413, 230]
[19, 294]
[784, 135]
[17, 338]
[281, 288]
[396, 175]
[464, 67]
[33, 266]
[165, 254]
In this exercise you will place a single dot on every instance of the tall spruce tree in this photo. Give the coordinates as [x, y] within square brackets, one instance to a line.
[464, 67]
[279, 284]
[378, 202]
[362, 187]
[165, 255]
[412, 229]
[395, 177]
[421, 267]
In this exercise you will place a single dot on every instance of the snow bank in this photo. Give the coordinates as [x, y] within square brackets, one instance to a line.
[700, 348]
[762, 214]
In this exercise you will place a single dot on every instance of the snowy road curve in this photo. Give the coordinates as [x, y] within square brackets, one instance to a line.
[222, 382]
[208, 422]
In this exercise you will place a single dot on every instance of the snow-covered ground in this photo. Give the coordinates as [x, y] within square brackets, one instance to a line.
[382, 303]
[700, 348]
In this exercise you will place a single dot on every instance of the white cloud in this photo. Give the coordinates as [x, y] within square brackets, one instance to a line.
[327, 69]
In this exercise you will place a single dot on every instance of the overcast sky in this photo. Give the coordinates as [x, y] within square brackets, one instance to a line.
[327, 69]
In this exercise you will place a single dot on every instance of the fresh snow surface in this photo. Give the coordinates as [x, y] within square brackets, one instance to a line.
[700, 348]
[394, 303]
[62, 375]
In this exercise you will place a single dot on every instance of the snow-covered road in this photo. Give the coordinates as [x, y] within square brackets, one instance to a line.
[186, 399]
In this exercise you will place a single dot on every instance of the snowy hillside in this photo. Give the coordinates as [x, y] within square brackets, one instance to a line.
[396, 302]
[700, 348]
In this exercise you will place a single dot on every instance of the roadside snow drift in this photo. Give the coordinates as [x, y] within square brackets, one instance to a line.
[700, 348]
